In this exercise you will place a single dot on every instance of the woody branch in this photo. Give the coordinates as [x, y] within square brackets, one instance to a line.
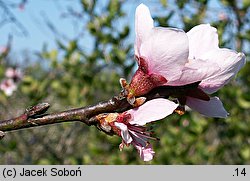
[35, 115]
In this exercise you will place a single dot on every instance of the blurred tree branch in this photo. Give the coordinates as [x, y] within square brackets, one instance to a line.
[9, 17]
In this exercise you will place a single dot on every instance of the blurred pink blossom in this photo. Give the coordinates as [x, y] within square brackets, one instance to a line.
[185, 122]
[14, 73]
[12, 77]
[8, 86]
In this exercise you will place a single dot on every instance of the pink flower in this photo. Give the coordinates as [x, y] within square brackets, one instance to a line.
[8, 86]
[146, 153]
[216, 66]
[14, 73]
[161, 54]
[130, 124]
[168, 56]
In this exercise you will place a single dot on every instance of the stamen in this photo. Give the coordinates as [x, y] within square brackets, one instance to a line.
[143, 135]
[138, 140]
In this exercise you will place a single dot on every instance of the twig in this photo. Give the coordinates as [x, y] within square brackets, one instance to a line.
[34, 116]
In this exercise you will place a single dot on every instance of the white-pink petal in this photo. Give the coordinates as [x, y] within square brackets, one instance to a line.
[166, 52]
[13, 72]
[8, 86]
[230, 62]
[211, 108]
[202, 38]
[146, 153]
[197, 70]
[143, 25]
[10, 72]
[124, 132]
[152, 110]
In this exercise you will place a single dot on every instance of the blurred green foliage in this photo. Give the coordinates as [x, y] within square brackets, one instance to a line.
[74, 77]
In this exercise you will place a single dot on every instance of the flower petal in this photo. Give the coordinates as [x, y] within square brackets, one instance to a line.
[143, 25]
[211, 108]
[202, 38]
[124, 132]
[153, 110]
[8, 86]
[166, 52]
[197, 70]
[146, 153]
[230, 62]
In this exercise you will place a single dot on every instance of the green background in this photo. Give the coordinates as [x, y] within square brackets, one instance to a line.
[70, 76]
